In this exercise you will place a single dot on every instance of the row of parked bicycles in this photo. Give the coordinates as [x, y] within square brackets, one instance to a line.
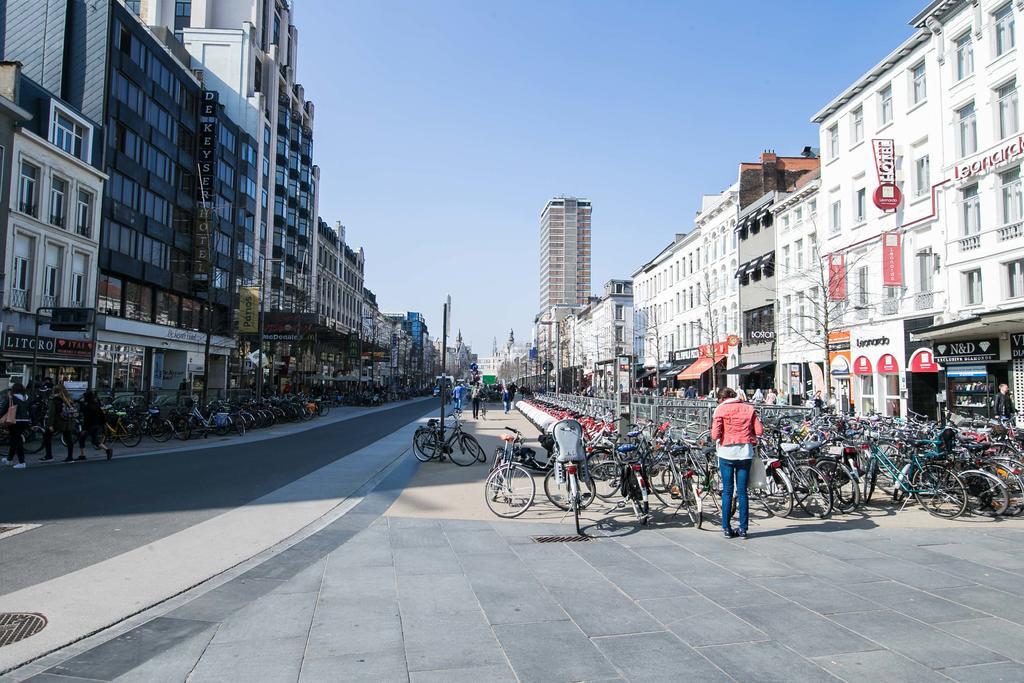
[817, 467]
[129, 421]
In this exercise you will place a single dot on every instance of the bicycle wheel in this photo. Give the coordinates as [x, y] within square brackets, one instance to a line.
[558, 494]
[986, 493]
[472, 445]
[182, 428]
[33, 439]
[324, 408]
[575, 496]
[812, 492]
[129, 434]
[939, 490]
[161, 429]
[509, 490]
[462, 450]
[845, 489]
[424, 444]
[604, 471]
[777, 495]
[1010, 472]
[877, 478]
[239, 425]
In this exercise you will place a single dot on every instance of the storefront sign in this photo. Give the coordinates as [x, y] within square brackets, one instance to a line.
[873, 341]
[202, 234]
[836, 277]
[989, 160]
[974, 351]
[862, 366]
[839, 352]
[892, 259]
[887, 365]
[923, 361]
[248, 310]
[683, 354]
[1016, 346]
[25, 344]
[887, 196]
[967, 371]
[187, 336]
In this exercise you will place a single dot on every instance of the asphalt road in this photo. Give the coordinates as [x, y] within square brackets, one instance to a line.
[94, 510]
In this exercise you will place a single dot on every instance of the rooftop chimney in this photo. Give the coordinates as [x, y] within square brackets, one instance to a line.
[9, 77]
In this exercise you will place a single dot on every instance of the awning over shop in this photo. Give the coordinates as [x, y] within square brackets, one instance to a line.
[698, 368]
[672, 371]
[747, 368]
[645, 374]
[988, 324]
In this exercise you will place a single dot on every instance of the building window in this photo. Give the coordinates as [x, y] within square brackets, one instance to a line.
[972, 287]
[964, 56]
[21, 282]
[1015, 278]
[918, 83]
[925, 270]
[860, 205]
[134, 5]
[83, 222]
[183, 8]
[885, 105]
[970, 210]
[833, 142]
[78, 287]
[798, 247]
[967, 123]
[857, 125]
[1007, 104]
[922, 175]
[620, 312]
[28, 189]
[862, 286]
[51, 275]
[1012, 198]
[867, 394]
[110, 295]
[835, 218]
[58, 201]
[1005, 39]
[69, 134]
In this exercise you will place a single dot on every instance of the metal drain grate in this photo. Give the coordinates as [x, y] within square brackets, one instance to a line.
[15, 626]
[560, 539]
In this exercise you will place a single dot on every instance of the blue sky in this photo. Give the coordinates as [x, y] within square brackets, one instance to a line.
[442, 127]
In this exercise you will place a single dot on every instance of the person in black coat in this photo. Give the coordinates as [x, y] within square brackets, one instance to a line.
[1003, 404]
[94, 422]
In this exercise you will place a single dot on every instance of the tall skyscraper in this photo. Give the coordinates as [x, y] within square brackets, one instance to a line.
[564, 252]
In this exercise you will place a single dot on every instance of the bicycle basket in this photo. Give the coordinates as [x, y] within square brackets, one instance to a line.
[220, 419]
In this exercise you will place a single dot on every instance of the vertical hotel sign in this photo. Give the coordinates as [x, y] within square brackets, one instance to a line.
[202, 234]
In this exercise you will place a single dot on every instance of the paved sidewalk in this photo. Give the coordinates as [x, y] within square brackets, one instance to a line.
[382, 596]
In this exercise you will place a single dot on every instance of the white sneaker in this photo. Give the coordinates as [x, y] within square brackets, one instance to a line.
[20, 466]
[4, 461]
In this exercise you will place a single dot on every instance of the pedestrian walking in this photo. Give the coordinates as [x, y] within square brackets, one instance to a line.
[1003, 405]
[17, 415]
[94, 424]
[758, 396]
[735, 428]
[474, 396]
[771, 398]
[691, 391]
[506, 398]
[61, 412]
[458, 394]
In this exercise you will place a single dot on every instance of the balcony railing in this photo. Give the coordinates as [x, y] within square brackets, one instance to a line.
[84, 230]
[50, 300]
[20, 298]
[1011, 231]
[969, 243]
[890, 306]
[861, 312]
[924, 301]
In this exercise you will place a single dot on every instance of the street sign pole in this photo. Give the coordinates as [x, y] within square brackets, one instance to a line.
[444, 364]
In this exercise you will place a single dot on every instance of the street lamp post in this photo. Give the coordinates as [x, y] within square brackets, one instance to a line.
[263, 286]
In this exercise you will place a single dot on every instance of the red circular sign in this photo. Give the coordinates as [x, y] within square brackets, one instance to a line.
[888, 197]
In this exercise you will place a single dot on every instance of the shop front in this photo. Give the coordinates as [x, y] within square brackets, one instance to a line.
[922, 376]
[878, 382]
[134, 356]
[708, 371]
[839, 370]
[60, 359]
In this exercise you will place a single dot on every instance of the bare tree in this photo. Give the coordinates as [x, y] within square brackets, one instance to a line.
[710, 326]
[648, 326]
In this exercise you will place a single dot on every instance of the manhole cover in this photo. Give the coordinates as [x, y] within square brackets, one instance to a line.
[15, 626]
[560, 539]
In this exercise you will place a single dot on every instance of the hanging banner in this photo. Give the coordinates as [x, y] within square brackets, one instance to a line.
[248, 310]
[892, 259]
[836, 277]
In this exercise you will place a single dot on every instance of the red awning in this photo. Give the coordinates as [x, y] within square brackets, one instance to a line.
[923, 361]
[888, 365]
[862, 366]
[699, 367]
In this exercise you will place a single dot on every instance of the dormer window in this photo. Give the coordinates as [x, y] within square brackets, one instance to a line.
[70, 132]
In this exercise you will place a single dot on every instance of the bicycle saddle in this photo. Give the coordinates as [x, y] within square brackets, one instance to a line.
[810, 445]
[508, 437]
[975, 445]
[627, 448]
[633, 434]
[790, 447]
[568, 436]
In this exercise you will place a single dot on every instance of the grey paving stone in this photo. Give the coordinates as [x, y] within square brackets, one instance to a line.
[356, 583]
[918, 641]
[641, 539]
[512, 596]
[804, 631]
[698, 621]
[414, 561]
[912, 602]
[307, 580]
[905, 551]
[877, 665]
[657, 657]
[644, 581]
[990, 633]
[755, 566]
[272, 616]
[476, 542]
[532, 552]
[467, 525]
[436, 594]
[54, 678]
[677, 561]
[551, 652]
[766, 662]
[449, 641]
[833, 547]
[1000, 672]
[413, 523]
[832, 569]
[130, 650]
[255, 660]
[172, 665]
[731, 591]
[602, 610]
[217, 604]
[285, 565]
[365, 551]
[823, 597]
[604, 552]
[418, 537]
[973, 572]
[986, 599]
[387, 665]
[492, 673]
[338, 632]
[910, 573]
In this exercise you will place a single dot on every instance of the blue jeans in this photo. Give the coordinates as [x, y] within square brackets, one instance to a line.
[508, 405]
[740, 469]
[458, 404]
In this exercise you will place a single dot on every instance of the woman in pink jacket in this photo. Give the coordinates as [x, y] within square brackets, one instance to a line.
[735, 428]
